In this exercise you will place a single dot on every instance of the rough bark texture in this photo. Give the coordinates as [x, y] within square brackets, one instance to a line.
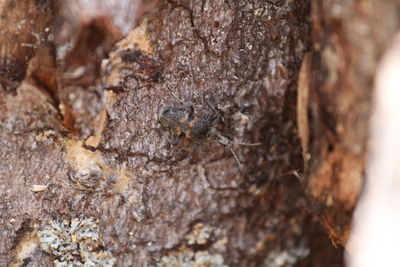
[81, 121]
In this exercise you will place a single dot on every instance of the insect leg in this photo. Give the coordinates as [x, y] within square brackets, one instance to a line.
[178, 139]
[249, 144]
[173, 94]
[216, 113]
[235, 156]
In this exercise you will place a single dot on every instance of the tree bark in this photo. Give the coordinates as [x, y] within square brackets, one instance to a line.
[81, 141]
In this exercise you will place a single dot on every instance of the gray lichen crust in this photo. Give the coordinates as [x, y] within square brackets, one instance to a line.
[186, 257]
[75, 243]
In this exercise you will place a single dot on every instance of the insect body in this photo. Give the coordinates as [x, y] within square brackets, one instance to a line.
[183, 124]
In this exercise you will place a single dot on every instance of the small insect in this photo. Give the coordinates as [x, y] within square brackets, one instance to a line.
[183, 124]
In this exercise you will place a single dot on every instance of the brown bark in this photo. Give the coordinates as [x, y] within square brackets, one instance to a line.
[24, 26]
[80, 137]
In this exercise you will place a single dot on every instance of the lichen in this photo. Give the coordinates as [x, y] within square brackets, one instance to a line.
[186, 257]
[287, 257]
[199, 235]
[75, 243]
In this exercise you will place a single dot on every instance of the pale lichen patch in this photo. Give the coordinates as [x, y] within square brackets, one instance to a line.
[200, 234]
[186, 257]
[75, 243]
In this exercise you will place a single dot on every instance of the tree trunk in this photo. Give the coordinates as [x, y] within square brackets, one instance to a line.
[82, 85]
